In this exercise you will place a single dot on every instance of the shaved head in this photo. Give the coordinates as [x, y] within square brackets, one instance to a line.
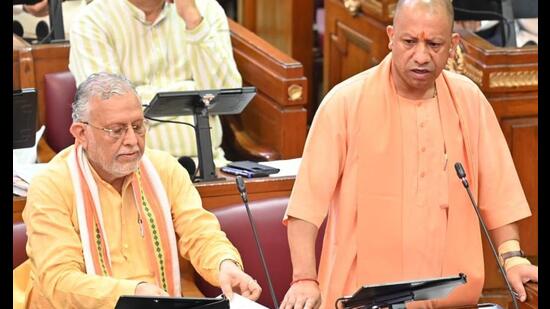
[434, 6]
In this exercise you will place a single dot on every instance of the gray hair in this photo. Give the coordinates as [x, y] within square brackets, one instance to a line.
[102, 85]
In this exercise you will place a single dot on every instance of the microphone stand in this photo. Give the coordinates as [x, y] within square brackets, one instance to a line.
[462, 175]
[244, 195]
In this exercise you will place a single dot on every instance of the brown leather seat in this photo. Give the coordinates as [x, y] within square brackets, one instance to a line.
[267, 215]
[59, 90]
[19, 243]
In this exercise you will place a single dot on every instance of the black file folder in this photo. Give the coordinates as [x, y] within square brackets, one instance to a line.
[395, 295]
[24, 118]
[148, 302]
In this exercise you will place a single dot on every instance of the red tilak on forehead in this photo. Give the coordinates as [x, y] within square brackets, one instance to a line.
[422, 36]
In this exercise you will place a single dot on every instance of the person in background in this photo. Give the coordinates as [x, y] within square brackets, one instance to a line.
[160, 46]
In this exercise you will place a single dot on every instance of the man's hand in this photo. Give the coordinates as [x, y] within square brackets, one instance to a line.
[187, 9]
[303, 294]
[148, 289]
[39, 9]
[520, 274]
[232, 278]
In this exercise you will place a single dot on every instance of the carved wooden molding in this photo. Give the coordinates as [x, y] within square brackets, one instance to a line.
[294, 92]
[473, 73]
[391, 10]
[352, 6]
[513, 79]
[456, 64]
[374, 6]
[459, 65]
[383, 9]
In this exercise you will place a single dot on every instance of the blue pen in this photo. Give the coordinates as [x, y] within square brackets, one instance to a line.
[236, 171]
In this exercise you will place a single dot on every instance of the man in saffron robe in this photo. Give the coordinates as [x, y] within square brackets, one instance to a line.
[108, 217]
[396, 209]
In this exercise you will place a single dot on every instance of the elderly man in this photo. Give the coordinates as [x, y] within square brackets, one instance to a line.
[159, 45]
[102, 218]
[396, 209]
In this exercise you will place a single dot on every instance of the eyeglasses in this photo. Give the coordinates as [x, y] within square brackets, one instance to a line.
[118, 131]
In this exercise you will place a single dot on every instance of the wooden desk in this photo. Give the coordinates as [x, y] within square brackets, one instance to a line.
[223, 193]
[215, 194]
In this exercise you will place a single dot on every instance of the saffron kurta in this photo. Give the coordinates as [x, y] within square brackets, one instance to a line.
[396, 209]
[57, 270]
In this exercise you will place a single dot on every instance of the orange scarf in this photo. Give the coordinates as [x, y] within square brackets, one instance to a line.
[380, 129]
[153, 209]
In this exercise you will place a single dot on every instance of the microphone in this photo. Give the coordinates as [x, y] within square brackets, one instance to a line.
[189, 165]
[244, 196]
[462, 175]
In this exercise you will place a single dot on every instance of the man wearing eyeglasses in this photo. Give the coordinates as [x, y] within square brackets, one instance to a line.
[103, 217]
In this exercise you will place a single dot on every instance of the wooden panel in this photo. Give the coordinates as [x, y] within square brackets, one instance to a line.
[288, 25]
[16, 78]
[224, 193]
[23, 66]
[356, 42]
[277, 115]
[48, 58]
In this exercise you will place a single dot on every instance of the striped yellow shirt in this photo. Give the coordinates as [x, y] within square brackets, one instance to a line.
[113, 36]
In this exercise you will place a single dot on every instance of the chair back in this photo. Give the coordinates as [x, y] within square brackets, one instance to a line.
[267, 215]
[59, 90]
[19, 243]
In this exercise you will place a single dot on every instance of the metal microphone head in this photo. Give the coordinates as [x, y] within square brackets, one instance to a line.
[461, 174]
[242, 188]
[460, 170]
[240, 184]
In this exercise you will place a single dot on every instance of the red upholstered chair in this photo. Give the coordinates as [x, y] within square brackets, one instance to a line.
[59, 91]
[19, 243]
[267, 215]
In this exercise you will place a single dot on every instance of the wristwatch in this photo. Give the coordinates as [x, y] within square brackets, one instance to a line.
[506, 255]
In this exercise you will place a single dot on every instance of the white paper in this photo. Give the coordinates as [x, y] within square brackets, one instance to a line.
[22, 176]
[27, 171]
[241, 302]
[28, 155]
[287, 167]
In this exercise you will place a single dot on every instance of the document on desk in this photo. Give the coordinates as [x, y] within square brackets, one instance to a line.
[288, 167]
[241, 302]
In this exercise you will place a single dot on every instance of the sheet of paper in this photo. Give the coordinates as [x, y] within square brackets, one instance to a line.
[28, 155]
[27, 171]
[241, 302]
[287, 167]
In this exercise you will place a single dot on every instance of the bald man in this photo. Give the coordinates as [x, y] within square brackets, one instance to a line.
[395, 208]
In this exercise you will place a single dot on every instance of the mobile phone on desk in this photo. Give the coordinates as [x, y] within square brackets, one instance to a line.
[239, 172]
[254, 167]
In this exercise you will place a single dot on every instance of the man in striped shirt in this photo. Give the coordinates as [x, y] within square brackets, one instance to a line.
[160, 46]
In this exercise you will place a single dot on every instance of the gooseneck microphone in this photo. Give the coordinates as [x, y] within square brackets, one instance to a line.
[244, 196]
[462, 175]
